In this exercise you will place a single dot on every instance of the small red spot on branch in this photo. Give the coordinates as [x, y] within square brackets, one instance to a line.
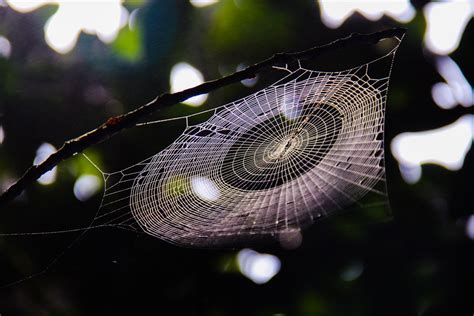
[114, 120]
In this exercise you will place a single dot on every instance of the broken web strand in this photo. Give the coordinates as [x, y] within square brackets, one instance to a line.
[177, 213]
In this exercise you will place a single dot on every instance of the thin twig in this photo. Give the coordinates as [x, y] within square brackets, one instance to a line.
[118, 123]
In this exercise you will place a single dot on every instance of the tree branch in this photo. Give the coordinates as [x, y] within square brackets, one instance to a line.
[116, 124]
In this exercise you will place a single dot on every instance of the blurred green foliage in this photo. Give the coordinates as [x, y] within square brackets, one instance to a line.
[129, 44]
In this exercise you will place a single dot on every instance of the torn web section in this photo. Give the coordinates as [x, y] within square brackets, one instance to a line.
[274, 162]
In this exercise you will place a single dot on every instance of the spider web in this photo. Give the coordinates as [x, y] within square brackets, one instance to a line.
[307, 146]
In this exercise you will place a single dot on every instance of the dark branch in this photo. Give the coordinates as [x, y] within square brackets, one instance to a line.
[116, 124]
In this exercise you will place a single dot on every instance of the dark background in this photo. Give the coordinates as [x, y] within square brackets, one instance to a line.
[417, 262]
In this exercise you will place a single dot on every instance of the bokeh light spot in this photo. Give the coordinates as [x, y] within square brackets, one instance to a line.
[290, 107]
[104, 19]
[5, 47]
[410, 173]
[247, 82]
[2, 134]
[86, 186]
[470, 227]
[25, 6]
[459, 88]
[202, 3]
[446, 146]
[290, 239]
[446, 22]
[352, 271]
[260, 268]
[205, 188]
[443, 95]
[335, 12]
[43, 152]
[184, 76]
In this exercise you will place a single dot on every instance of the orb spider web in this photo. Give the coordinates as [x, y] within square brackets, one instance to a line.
[305, 147]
